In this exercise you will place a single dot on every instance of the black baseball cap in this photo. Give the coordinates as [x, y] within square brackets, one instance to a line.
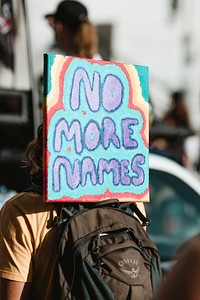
[70, 12]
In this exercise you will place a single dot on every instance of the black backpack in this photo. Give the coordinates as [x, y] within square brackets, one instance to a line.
[105, 253]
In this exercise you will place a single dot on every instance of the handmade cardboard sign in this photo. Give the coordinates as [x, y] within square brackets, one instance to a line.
[96, 130]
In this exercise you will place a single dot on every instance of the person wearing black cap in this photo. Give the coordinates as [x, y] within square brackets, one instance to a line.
[74, 33]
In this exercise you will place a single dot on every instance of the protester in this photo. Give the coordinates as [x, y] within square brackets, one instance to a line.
[183, 280]
[168, 136]
[178, 118]
[177, 115]
[27, 239]
[74, 34]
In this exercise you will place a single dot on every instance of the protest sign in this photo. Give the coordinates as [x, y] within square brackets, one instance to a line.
[96, 130]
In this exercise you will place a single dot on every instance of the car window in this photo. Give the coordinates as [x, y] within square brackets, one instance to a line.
[174, 210]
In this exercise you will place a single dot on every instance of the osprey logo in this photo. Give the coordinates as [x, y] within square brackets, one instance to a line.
[133, 273]
[129, 267]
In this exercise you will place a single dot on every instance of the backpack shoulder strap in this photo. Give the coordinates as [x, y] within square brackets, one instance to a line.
[133, 207]
[65, 212]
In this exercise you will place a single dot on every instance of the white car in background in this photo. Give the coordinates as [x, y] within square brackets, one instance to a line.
[5, 194]
[174, 207]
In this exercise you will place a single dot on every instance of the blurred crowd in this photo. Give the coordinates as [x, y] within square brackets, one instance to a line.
[173, 136]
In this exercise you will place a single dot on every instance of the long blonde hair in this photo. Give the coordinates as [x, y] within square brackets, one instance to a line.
[84, 40]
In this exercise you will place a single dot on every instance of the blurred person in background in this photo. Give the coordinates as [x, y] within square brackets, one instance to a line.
[178, 118]
[74, 34]
[177, 115]
[183, 279]
[173, 136]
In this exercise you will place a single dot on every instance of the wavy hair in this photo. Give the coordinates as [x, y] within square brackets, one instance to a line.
[32, 162]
